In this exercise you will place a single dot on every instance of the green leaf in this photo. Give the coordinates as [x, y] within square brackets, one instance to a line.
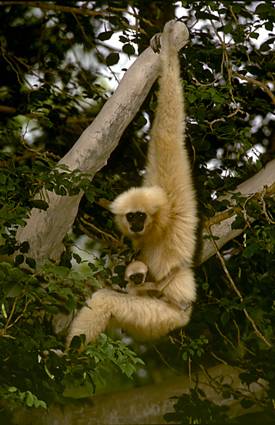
[238, 223]
[19, 259]
[31, 262]
[24, 247]
[77, 258]
[29, 399]
[12, 389]
[106, 35]
[14, 291]
[112, 59]
[128, 49]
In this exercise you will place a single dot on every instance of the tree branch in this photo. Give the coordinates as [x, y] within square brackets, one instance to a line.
[219, 226]
[57, 7]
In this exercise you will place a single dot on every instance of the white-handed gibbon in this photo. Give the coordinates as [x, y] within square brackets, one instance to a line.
[160, 218]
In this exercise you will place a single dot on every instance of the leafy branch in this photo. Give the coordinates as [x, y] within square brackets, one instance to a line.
[237, 291]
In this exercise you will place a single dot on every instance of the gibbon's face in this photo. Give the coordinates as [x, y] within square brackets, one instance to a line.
[134, 224]
[136, 210]
[136, 272]
[136, 221]
[137, 278]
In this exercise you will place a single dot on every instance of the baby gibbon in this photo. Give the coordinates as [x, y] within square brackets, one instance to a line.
[160, 218]
[135, 276]
[136, 273]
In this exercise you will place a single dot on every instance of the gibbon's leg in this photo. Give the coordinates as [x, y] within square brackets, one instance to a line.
[92, 319]
[180, 288]
[143, 317]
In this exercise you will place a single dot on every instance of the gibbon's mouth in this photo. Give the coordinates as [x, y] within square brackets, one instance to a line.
[137, 228]
[136, 234]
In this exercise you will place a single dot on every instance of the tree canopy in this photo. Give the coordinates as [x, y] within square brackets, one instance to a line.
[60, 63]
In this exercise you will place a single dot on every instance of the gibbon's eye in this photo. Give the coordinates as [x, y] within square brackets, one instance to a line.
[136, 220]
[137, 278]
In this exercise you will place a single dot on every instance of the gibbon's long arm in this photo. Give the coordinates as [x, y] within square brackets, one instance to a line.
[160, 218]
[168, 163]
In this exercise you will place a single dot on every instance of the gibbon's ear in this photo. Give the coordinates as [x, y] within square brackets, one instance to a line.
[145, 199]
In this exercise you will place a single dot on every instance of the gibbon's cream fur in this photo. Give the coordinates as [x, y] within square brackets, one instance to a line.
[160, 218]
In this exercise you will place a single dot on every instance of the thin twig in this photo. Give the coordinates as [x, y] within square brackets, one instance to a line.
[225, 56]
[218, 358]
[223, 119]
[231, 211]
[7, 109]
[93, 231]
[258, 83]
[266, 213]
[225, 337]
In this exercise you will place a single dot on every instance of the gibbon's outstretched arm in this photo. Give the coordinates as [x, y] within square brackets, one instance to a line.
[160, 219]
[168, 165]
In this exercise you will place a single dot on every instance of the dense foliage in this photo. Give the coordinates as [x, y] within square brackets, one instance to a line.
[57, 64]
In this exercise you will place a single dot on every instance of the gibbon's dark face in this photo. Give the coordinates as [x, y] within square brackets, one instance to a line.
[137, 278]
[136, 221]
